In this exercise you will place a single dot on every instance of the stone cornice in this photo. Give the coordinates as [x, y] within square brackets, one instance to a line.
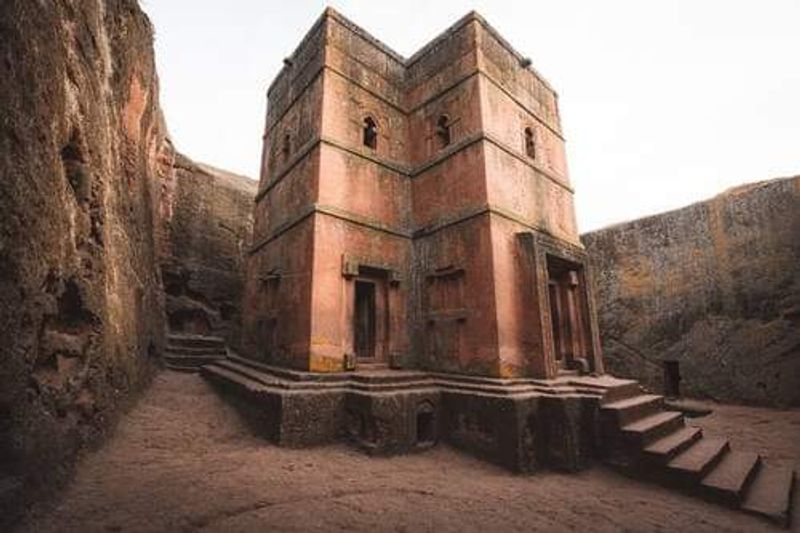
[405, 171]
[472, 16]
[422, 231]
[296, 70]
[527, 161]
[407, 111]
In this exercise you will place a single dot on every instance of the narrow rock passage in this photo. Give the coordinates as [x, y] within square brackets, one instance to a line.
[184, 460]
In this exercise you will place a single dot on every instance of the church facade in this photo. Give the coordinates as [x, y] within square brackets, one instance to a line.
[416, 213]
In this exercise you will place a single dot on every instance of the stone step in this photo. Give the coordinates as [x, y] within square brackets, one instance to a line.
[646, 430]
[248, 372]
[195, 350]
[230, 379]
[194, 340]
[697, 460]
[666, 448]
[690, 408]
[182, 368]
[728, 481]
[191, 360]
[631, 409]
[386, 377]
[770, 494]
[625, 389]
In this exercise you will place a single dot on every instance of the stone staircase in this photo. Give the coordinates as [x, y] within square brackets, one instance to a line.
[187, 353]
[644, 439]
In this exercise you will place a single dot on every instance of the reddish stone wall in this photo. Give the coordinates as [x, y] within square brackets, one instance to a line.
[516, 310]
[455, 326]
[436, 221]
[501, 65]
[292, 195]
[277, 295]
[304, 67]
[442, 63]
[82, 151]
[448, 183]
[300, 123]
[363, 210]
[333, 292]
[275, 319]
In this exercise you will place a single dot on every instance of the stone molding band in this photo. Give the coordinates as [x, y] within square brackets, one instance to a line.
[456, 147]
[420, 232]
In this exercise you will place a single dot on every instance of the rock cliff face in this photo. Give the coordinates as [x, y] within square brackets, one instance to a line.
[207, 228]
[708, 295]
[82, 156]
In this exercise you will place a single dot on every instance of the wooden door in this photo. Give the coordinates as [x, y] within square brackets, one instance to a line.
[364, 320]
[557, 320]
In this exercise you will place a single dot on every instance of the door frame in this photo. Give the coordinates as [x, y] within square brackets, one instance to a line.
[372, 321]
[536, 248]
[380, 281]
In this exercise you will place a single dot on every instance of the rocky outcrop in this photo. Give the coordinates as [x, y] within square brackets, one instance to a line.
[707, 296]
[207, 229]
[82, 155]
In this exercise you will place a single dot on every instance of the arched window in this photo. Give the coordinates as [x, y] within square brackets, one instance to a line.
[370, 133]
[443, 131]
[530, 143]
[286, 148]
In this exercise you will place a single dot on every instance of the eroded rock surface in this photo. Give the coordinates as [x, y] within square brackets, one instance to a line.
[82, 153]
[208, 227]
[712, 291]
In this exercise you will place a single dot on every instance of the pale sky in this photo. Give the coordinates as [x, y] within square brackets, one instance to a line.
[663, 103]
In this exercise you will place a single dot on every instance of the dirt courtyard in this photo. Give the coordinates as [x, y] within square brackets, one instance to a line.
[183, 460]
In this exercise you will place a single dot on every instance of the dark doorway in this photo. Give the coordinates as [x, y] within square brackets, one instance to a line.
[568, 312]
[268, 338]
[556, 319]
[672, 379]
[194, 321]
[364, 319]
[426, 425]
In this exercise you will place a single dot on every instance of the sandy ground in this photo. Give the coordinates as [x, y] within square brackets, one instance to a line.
[183, 460]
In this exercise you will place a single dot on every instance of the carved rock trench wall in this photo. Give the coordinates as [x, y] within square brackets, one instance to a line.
[83, 151]
[713, 288]
[208, 229]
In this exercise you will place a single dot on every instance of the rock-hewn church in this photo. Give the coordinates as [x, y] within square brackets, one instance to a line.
[416, 213]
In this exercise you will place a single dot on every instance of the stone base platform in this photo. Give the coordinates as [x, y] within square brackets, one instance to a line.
[521, 424]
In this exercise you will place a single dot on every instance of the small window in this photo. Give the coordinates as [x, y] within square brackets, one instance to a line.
[286, 149]
[370, 133]
[443, 131]
[530, 143]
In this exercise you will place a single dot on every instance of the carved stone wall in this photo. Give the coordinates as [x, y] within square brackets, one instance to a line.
[207, 232]
[82, 153]
[712, 289]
